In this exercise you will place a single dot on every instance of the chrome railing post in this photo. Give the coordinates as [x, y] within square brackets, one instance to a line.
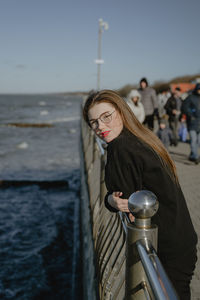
[143, 205]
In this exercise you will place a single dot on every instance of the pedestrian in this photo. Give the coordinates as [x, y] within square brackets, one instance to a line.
[173, 109]
[191, 107]
[162, 100]
[137, 160]
[164, 133]
[150, 103]
[134, 102]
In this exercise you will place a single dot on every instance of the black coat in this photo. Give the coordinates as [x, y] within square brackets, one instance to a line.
[132, 166]
[170, 106]
[191, 107]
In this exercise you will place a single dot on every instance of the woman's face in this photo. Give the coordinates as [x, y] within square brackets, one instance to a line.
[143, 84]
[135, 99]
[105, 121]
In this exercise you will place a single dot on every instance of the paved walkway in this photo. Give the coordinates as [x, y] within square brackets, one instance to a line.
[189, 176]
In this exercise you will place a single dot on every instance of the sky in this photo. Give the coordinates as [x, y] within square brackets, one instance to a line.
[51, 45]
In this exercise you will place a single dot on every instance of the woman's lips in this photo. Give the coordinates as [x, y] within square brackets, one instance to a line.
[105, 133]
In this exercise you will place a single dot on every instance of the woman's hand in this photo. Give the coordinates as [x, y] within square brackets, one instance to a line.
[118, 203]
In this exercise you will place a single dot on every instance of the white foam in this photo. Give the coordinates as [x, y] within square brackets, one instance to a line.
[67, 119]
[44, 113]
[22, 145]
[72, 130]
[42, 103]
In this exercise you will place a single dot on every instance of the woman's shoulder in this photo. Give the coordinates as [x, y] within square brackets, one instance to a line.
[125, 135]
[129, 149]
[128, 142]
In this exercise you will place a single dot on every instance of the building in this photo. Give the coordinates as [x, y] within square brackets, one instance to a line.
[184, 86]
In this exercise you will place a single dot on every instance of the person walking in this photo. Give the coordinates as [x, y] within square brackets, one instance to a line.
[150, 103]
[137, 160]
[134, 102]
[191, 108]
[162, 100]
[173, 110]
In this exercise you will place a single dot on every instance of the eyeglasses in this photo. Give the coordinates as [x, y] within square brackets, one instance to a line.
[104, 118]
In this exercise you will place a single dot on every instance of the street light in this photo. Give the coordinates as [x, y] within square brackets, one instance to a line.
[102, 26]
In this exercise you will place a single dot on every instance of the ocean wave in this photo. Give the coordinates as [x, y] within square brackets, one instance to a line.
[44, 112]
[22, 145]
[66, 119]
[42, 103]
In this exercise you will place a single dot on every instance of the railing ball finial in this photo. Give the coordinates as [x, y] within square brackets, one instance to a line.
[143, 205]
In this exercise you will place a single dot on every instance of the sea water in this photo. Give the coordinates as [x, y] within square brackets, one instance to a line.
[39, 197]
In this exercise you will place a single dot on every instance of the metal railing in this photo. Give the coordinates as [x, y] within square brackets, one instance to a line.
[127, 265]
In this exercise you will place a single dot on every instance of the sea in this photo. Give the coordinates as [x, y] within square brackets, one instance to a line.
[39, 197]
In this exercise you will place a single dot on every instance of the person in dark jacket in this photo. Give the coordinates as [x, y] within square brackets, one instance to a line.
[173, 110]
[137, 160]
[191, 108]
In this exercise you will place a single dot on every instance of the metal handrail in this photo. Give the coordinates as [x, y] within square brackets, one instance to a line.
[158, 280]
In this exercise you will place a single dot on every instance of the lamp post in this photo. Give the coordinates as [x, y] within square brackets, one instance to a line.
[102, 26]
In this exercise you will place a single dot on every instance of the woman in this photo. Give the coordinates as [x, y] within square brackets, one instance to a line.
[134, 102]
[137, 160]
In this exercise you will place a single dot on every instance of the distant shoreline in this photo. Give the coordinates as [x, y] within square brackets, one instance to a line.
[158, 85]
[47, 93]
